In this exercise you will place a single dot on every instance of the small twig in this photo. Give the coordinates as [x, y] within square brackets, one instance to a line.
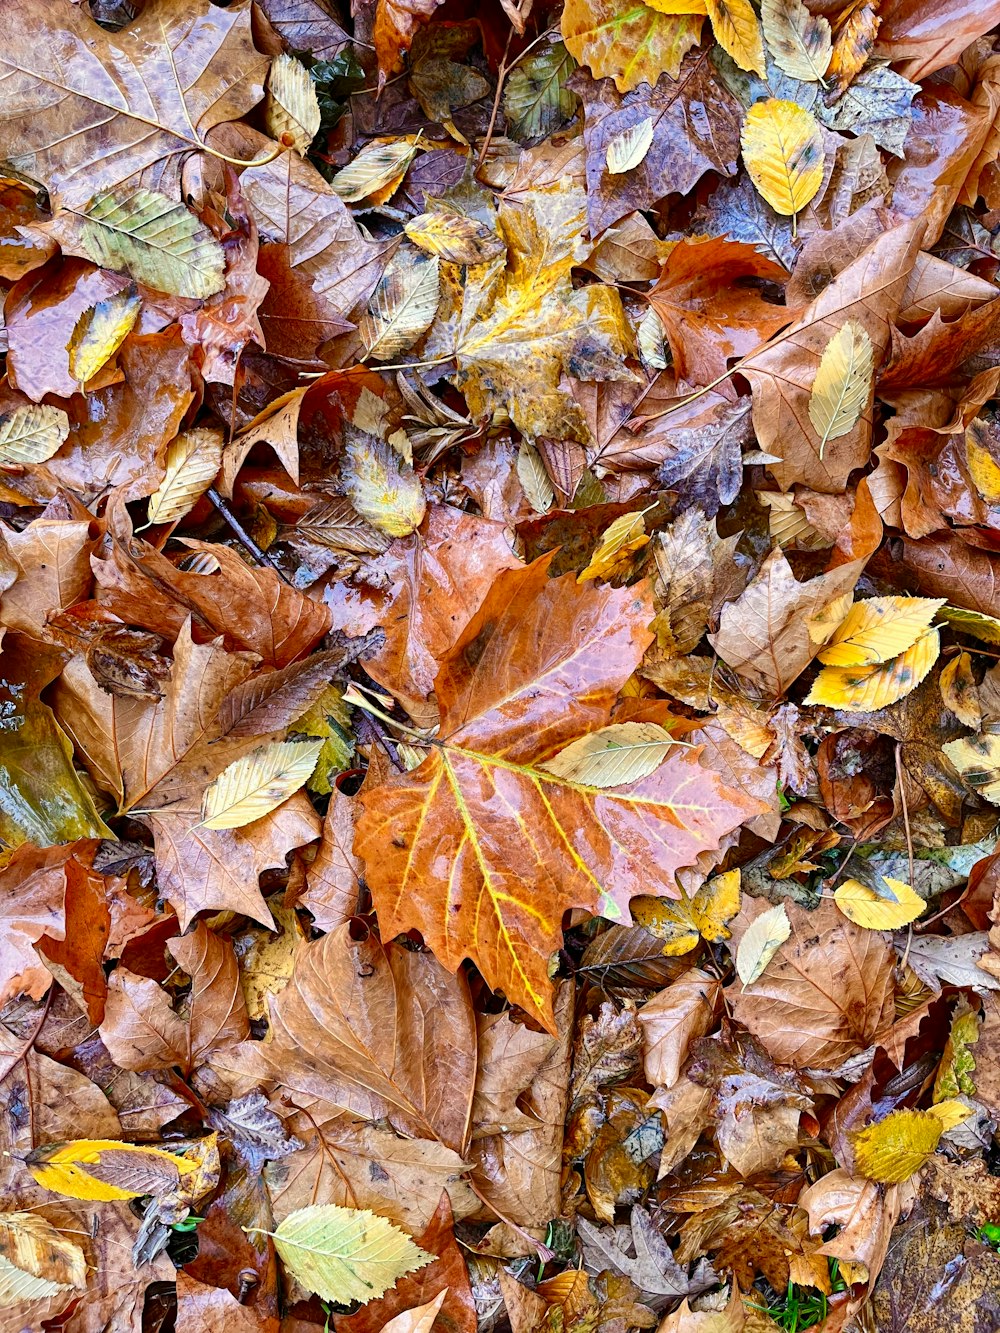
[241, 534]
[543, 1251]
[909, 843]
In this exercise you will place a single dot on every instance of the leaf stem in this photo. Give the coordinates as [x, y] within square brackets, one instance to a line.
[358, 701]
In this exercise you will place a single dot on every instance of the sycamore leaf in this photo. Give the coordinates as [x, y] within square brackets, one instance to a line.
[613, 756]
[457, 239]
[382, 488]
[761, 942]
[258, 783]
[843, 383]
[864, 907]
[737, 31]
[866, 689]
[627, 149]
[977, 759]
[99, 332]
[402, 306]
[891, 1151]
[783, 152]
[32, 434]
[100, 1170]
[345, 1254]
[536, 100]
[376, 171]
[193, 461]
[878, 629]
[682, 922]
[628, 41]
[799, 42]
[36, 1260]
[154, 240]
[619, 542]
[291, 110]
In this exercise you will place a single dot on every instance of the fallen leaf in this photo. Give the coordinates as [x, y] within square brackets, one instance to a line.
[761, 942]
[737, 30]
[783, 151]
[192, 462]
[864, 907]
[632, 44]
[843, 385]
[291, 108]
[894, 1148]
[798, 41]
[36, 1261]
[99, 332]
[672, 1020]
[258, 783]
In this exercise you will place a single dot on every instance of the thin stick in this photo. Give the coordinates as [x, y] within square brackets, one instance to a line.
[241, 534]
[909, 842]
[543, 1251]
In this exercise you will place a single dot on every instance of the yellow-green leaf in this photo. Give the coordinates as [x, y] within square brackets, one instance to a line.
[682, 922]
[738, 33]
[879, 629]
[800, 42]
[193, 461]
[402, 306]
[892, 1150]
[457, 239]
[378, 168]
[99, 332]
[36, 1260]
[627, 150]
[976, 623]
[32, 434]
[291, 110]
[381, 486]
[328, 720]
[866, 689]
[101, 1170]
[534, 478]
[843, 383]
[258, 783]
[864, 907]
[613, 756]
[783, 152]
[154, 240]
[958, 1062]
[977, 759]
[761, 942]
[345, 1254]
[949, 1113]
[619, 542]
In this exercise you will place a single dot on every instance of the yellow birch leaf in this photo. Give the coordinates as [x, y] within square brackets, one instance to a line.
[345, 1254]
[843, 383]
[291, 108]
[99, 332]
[959, 691]
[32, 434]
[799, 42]
[864, 907]
[761, 942]
[892, 1150]
[402, 306]
[102, 1170]
[376, 171]
[36, 1261]
[824, 623]
[627, 150]
[878, 629]
[738, 33]
[983, 469]
[613, 756]
[976, 623]
[381, 486]
[193, 462]
[452, 237]
[866, 689]
[619, 542]
[258, 783]
[783, 152]
[977, 759]
[949, 1113]
[681, 922]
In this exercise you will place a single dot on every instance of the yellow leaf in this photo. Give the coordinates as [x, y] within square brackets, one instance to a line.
[824, 623]
[983, 469]
[328, 720]
[679, 6]
[783, 152]
[866, 689]
[892, 1150]
[101, 1170]
[32, 434]
[457, 239]
[381, 487]
[631, 42]
[534, 478]
[193, 461]
[258, 783]
[878, 629]
[854, 40]
[99, 332]
[291, 109]
[619, 542]
[155, 240]
[976, 623]
[613, 756]
[345, 1254]
[627, 150]
[958, 1061]
[683, 921]
[799, 42]
[376, 171]
[738, 33]
[402, 306]
[950, 1113]
[36, 1260]
[864, 907]
[761, 942]
[843, 383]
[977, 759]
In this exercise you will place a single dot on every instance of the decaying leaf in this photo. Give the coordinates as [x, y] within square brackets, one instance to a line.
[105, 1169]
[799, 42]
[291, 110]
[631, 43]
[36, 1260]
[99, 332]
[401, 308]
[382, 487]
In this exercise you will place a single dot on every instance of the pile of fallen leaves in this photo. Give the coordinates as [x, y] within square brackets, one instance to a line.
[500, 685]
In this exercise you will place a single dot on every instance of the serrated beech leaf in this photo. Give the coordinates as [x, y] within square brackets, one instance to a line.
[255, 785]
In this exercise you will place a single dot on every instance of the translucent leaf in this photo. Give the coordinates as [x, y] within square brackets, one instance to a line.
[866, 689]
[99, 332]
[783, 152]
[799, 42]
[36, 1260]
[864, 907]
[193, 461]
[458, 239]
[627, 150]
[619, 542]
[378, 168]
[613, 756]
[101, 1170]
[402, 306]
[536, 481]
[258, 783]
[32, 434]
[345, 1254]
[155, 240]
[977, 759]
[536, 100]
[891, 1151]
[738, 33]
[382, 488]
[680, 923]
[842, 384]
[761, 942]
[291, 111]
[878, 629]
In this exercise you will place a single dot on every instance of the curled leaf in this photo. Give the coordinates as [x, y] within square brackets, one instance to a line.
[376, 171]
[291, 111]
[258, 783]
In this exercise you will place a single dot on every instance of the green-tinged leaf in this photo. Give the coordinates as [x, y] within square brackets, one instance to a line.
[291, 111]
[843, 383]
[383, 488]
[36, 1260]
[376, 168]
[99, 332]
[760, 942]
[193, 461]
[613, 756]
[458, 239]
[402, 306]
[328, 721]
[977, 623]
[536, 100]
[629, 41]
[892, 1150]
[258, 783]
[156, 241]
[32, 434]
[977, 759]
[345, 1254]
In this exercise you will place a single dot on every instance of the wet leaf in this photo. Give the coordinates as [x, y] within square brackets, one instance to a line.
[865, 908]
[193, 461]
[258, 783]
[843, 384]
[631, 43]
[32, 434]
[737, 31]
[896, 1147]
[799, 42]
[291, 110]
[401, 308]
[627, 149]
[536, 99]
[878, 629]
[383, 488]
[760, 943]
[105, 1169]
[783, 152]
[35, 1260]
[99, 332]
